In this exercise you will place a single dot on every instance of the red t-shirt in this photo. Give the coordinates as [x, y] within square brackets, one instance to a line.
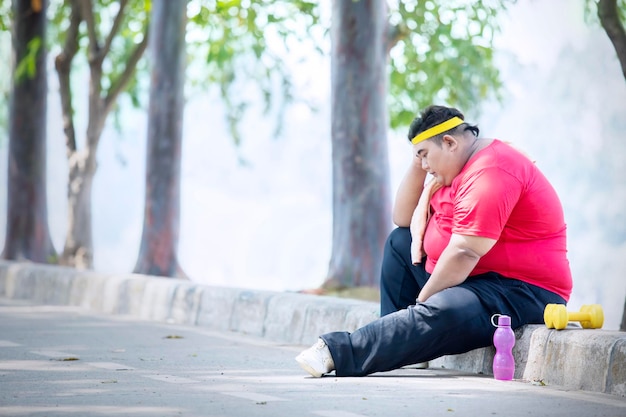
[500, 194]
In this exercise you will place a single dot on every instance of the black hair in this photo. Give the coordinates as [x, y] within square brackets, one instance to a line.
[434, 115]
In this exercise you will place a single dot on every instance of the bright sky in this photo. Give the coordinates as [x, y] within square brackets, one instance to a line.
[536, 30]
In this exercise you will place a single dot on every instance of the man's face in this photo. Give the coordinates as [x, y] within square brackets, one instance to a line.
[437, 160]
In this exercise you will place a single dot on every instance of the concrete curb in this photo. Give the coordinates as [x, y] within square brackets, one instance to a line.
[590, 360]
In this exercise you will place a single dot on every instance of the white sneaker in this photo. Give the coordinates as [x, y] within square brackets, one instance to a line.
[421, 365]
[316, 360]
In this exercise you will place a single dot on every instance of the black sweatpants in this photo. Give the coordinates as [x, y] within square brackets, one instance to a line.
[455, 320]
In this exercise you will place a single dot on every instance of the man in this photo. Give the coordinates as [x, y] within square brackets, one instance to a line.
[487, 235]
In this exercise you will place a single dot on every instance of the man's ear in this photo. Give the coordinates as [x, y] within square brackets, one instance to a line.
[450, 142]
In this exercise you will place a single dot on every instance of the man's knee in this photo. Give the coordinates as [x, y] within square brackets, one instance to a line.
[399, 239]
[456, 303]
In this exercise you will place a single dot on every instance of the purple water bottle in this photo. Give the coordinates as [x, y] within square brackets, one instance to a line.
[503, 340]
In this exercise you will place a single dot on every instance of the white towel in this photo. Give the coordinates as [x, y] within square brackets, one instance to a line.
[420, 218]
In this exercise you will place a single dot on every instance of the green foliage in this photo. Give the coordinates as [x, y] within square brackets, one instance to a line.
[6, 15]
[237, 42]
[443, 50]
[241, 43]
[27, 66]
[443, 55]
[5, 84]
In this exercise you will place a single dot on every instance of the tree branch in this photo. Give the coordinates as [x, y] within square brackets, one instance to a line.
[88, 17]
[395, 33]
[117, 23]
[118, 85]
[63, 65]
[609, 18]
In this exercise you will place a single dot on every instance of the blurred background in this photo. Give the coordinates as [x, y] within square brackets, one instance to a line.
[260, 215]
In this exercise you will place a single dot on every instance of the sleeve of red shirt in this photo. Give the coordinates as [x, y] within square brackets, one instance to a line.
[484, 202]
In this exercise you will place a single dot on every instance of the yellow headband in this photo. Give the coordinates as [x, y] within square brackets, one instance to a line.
[437, 129]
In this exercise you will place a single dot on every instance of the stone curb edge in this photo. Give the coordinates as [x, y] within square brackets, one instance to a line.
[585, 359]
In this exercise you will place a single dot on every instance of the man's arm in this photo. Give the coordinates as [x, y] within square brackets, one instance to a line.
[409, 193]
[456, 263]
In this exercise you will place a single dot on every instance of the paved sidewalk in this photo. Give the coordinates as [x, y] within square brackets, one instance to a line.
[65, 361]
[592, 360]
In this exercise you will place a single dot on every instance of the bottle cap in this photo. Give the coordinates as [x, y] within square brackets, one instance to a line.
[504, 321]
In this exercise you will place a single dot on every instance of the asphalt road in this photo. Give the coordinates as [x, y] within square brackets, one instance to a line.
[62, 361]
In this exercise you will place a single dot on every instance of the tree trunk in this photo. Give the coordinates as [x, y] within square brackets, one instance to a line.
[361, 199]
[159, 240]
[614, 28]
[27, 233]
[78, 249]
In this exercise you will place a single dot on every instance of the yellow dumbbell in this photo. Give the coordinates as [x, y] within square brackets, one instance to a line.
[590, 316]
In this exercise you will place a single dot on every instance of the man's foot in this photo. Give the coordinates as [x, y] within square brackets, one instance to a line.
[316, 360]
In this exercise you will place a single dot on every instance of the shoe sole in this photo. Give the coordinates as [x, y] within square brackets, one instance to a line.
[308, 368]
[421, 365]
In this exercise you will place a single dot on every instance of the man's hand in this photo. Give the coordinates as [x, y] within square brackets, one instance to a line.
[457, 261]
[419, 220]
[418, 227]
